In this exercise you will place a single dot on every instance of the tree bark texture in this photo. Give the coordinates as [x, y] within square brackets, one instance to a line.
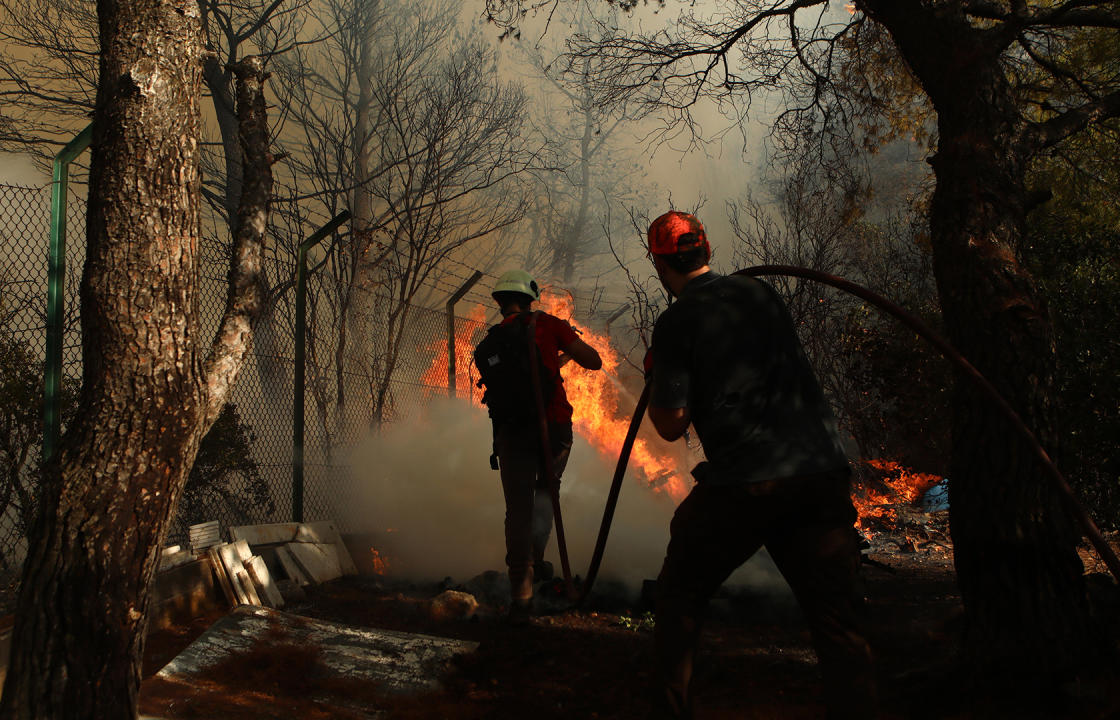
[1014, 539]
[148, 393]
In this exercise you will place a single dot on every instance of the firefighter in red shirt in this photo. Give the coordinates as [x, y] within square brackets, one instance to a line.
[528, 521]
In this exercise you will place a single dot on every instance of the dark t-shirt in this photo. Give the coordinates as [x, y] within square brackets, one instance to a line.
[728, 351]
[553, 337]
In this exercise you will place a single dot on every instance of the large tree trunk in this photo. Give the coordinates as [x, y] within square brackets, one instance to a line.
[1014, 540]
[148, 395]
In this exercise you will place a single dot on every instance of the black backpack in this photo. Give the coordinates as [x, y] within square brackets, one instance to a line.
[503, 359]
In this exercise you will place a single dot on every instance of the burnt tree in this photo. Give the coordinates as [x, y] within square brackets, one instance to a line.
[150, 389]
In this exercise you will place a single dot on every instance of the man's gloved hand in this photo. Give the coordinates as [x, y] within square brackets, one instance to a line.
[647, 363]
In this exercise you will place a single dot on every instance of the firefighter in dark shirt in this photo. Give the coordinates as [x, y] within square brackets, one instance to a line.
[725, 358]
[528, 521]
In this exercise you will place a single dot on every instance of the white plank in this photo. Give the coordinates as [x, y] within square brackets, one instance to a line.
[246, 583]
[204, 535]
[268, 534]
[231, 560]
[326, 532]
[288, 562]
[258, 571]
[224, 579]
[244, 554]
[239, 586]
[318, 561]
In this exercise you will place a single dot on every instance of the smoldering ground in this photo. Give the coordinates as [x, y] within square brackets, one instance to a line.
[426, 494]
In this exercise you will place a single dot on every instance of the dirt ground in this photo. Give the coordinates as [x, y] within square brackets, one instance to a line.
[756, 660]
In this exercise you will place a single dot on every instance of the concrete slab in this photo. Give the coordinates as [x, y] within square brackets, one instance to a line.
[318, 562]
[398, 662]
[268, 534]
[325, 532]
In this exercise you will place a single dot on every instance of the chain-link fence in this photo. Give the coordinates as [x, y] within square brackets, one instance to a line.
[24, 241]
[244, 471]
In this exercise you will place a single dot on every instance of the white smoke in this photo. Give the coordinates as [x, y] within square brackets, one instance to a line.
[426, 487]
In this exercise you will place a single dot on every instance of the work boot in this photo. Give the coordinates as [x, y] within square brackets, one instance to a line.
[542, 571]
[520, 611]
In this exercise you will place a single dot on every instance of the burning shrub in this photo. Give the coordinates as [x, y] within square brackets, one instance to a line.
[881, 487]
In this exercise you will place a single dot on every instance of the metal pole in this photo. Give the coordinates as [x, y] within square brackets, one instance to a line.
[300, 362]
[451, 329]
[56, 290]
[616, 315]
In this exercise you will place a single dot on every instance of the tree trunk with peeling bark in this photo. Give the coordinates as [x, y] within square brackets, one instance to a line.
[1015, 542]
[150, 390]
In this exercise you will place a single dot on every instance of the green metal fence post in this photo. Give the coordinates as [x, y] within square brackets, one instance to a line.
[300, 375]
[451, 361]
[56, 290]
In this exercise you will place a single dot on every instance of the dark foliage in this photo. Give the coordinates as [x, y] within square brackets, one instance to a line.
[226, 481]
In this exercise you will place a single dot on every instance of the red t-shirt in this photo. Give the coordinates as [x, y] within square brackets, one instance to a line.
[553, 337]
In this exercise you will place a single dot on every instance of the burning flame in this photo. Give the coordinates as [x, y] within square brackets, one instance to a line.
[877, 503]
[436, 374]
[600, 415]
[379, 562]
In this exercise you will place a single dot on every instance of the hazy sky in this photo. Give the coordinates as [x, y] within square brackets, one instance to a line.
[715, 172]
[19, 170]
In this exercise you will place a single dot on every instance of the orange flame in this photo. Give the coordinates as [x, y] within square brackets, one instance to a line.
[379, 562]
[600, 415]
[436, 374]
[877, 503]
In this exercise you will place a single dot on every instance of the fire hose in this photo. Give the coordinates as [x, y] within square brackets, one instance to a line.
[1073, 505]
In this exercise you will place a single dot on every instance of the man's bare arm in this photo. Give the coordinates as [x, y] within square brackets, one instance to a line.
[583, 354]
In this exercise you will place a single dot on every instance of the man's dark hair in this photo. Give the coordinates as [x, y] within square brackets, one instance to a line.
[687, 261]
[508, 298]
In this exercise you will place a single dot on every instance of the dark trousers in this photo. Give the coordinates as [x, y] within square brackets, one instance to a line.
[806, 524]
[528, 496]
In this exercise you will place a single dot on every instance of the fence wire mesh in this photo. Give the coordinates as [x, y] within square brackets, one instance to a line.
[244, 471]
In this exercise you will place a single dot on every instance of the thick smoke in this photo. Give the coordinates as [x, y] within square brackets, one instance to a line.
[426, 487]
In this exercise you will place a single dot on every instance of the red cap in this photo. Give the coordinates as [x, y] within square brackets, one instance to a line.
[676, 232]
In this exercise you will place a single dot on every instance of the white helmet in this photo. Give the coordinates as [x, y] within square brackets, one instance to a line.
[517, 281]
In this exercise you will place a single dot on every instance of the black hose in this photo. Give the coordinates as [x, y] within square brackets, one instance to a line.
[612, 496]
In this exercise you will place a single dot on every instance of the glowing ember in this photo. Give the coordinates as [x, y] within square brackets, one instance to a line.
[876, 501]
[379, 562]
[436, 374]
